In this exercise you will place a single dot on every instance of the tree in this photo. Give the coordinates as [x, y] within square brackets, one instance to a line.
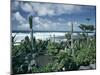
[86, 53]
[86, 28]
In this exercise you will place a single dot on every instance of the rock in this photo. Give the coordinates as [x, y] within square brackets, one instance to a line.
[84, 68]
[93, 66]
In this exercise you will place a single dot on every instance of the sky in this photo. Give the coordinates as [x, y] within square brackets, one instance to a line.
[50, 16]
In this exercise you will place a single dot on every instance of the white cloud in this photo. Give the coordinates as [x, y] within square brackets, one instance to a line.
[26, 7]
[67, 9]
[24, 26]
[17, 16]
[36, 19]
[69, 24]
[61, 19]
[76, 23]
[19, 22]
[42, 24]
[15, 5]
[57, 9]
[43, 9]
[47, 24]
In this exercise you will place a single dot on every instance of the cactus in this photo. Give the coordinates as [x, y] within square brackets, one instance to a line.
[30, 23]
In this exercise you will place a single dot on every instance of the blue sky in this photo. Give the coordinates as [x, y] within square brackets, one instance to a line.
[50, 16]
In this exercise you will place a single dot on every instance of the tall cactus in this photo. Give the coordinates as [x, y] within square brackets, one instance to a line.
[31, 28]
[33, 54]
[72, 40]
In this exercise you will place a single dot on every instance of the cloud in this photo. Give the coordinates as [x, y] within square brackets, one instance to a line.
[43, 24]
[75, 25]
[39, 23]
[19, 22]
[69, 24]
[47, 24]
[54, 9]
[24, 26]
[14, 5]
[67, 9]
[44, 9]
[61, 19]
[26, 7]
[17, 16]
[36, 19]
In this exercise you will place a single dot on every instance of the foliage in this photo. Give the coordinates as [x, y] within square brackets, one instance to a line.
[41, 46]
[19, 52]
[85, 27]
[59, 52]
[68, 36]
[86, 52]
[23, 50]
[60, 58]
[85, 48]
[47, 68]
[53, 48]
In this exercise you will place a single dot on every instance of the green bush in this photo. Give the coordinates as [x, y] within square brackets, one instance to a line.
[87, 53]
[61, 58]
[60, 55]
